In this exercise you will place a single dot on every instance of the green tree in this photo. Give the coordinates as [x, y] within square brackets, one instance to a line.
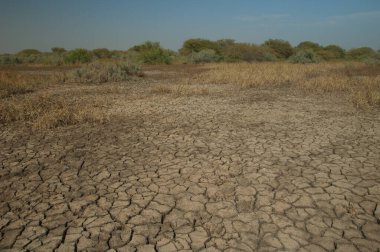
[308, 45]
[79, 55]
[361, 53]
[281, 48]
[102, 53]
[196, 45]
[58, 50]
[152, 53]
[332, 52]
[28, 52]
[247, 52]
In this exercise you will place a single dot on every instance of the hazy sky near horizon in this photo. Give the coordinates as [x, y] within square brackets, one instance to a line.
[120, 24]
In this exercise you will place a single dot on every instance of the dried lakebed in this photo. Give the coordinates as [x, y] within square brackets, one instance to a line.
[254, 170]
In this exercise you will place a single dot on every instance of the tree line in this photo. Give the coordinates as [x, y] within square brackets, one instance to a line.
[199, 51]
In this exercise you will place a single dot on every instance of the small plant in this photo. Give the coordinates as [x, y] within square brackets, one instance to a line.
[205, 56]
[103, 72]
[304, 57]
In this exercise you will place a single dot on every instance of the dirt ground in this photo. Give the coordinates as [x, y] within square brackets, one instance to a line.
[230, 170]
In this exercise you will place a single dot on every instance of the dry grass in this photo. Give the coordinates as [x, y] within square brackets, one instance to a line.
[97, 73]
[360, 81]
[16, 83]
[51, 110]
[180, 90]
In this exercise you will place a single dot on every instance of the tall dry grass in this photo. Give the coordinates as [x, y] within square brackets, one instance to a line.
[46, 110]
[359, 80]
[15, 83]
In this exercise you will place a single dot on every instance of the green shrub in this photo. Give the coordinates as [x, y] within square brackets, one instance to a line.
[150, 53]
[304, 57]
[103, 72]
[58, 50]
[78, 56]
[196, 45]
[331, 52]
[308, 45]
[205, 56]
[281, 48]
[247, 52]
[361, 53]
[28, 52]
[102, 53]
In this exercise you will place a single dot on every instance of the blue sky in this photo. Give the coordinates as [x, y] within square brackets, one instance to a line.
[120, 24]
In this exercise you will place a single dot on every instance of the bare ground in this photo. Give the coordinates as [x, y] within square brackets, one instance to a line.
[232, 170]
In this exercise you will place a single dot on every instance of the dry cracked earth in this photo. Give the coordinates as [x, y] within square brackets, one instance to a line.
[249, 170]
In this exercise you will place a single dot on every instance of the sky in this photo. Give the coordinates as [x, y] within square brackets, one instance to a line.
[120, 24]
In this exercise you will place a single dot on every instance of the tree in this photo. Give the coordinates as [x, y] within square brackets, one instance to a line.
[361, 53]
[58, 50]
[281, 48]
[247, 52]
[332, 52]
[102, 53]
[29, 52]
[196, 45]
[152, 53]
[79, 55]
[308, 45]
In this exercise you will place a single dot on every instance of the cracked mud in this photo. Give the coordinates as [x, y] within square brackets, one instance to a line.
[251, 170]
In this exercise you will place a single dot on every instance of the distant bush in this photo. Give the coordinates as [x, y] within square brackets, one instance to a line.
[361, 53]
[308, 45]
[28, 52]
[58, 50]
[196, 45]
[304, 57]
[78, 56]
[102, 72]
[205, 56]
[281, 48]
[9, 59]
[102, 53]
[247, 52]
[151, 53]
[332, 52]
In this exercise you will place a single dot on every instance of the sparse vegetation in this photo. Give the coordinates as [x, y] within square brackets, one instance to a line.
[180, 90]
[49, 111]
[306, 56]
[358, 80]
[102, 72]
[78, 56]
[14, 83]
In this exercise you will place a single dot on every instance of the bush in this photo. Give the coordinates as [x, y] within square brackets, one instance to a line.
[102, 72]
[304, 57]
[150, 53]
[205, 56]
[332, 52]
[196, 45]
[308, 45]
[281, 48]
[247, 52]
[361, 53]
[102, 53]
[28, 52]
[58, 50]
[78, 56]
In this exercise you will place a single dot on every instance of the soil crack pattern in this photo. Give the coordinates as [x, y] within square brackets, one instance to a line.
[197, 173]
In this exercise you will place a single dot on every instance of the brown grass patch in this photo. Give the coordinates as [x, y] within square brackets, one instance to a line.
[51, 110]
[360, 81]
[15, 83]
